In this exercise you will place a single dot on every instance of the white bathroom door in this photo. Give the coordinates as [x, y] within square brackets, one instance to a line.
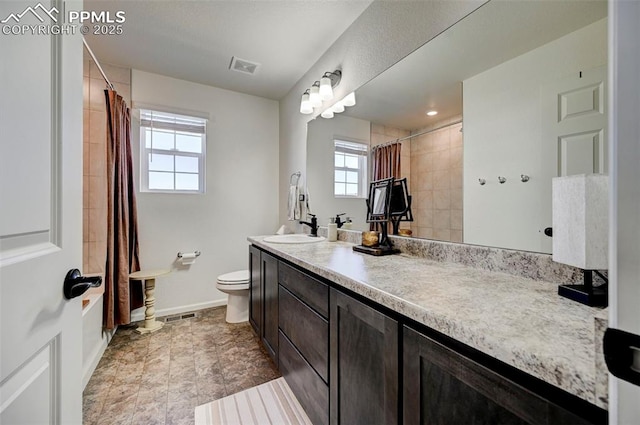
[40, 219]
[574, 132]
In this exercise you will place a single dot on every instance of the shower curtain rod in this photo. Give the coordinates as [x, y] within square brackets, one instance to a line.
[97, 64]
[390, 142]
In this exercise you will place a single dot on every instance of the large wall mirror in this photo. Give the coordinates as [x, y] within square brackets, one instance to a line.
[520, 94]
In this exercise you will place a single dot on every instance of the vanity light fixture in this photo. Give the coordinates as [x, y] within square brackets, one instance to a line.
[328, 113]
[349, 100]
[432, 113]
[305, 104]
[338, 108]
[314, 95]
[328, 81]
[320, 91]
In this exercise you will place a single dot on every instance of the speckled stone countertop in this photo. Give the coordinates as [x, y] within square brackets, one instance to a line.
[520, 321]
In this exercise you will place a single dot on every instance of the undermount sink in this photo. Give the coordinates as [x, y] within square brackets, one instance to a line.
[293, 238]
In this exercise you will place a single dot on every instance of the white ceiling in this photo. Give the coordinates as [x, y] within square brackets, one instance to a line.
[195, 40]
[431, 77]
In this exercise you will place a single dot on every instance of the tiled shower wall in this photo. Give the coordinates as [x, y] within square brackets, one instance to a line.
[94, 219]
[436, 173]
[382, 134]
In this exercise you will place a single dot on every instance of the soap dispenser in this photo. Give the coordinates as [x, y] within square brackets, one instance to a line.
[332, 230]
[347, 224]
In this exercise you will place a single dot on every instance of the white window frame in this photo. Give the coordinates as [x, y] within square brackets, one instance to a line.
[349, 147]
[176, 123]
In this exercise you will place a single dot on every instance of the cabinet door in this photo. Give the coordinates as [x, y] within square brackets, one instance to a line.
[270, 305]
[363, 363]
[255, 290]
[443, 387]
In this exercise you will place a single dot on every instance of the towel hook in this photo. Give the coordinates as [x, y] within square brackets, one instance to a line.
[524, 178]
[180, 254]
[502, 179]
[482, 182]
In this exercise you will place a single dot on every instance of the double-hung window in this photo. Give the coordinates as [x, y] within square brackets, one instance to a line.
[172, 152]
[350, 174]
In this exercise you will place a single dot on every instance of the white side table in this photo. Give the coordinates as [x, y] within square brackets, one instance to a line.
[149, 279]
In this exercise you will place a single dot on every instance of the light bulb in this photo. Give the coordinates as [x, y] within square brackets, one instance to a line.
[338, 107]
[327, 113]
[305, 104]
[314, 95]
[349, 100]
[326, 92]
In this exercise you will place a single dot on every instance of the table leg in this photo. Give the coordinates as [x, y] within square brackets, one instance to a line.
[150, 322]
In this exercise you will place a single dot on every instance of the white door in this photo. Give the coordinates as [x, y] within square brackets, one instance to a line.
[624, 241]
[40, 219]
[574, 132]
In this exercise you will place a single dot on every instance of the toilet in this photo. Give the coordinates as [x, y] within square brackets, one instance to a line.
[236, 286]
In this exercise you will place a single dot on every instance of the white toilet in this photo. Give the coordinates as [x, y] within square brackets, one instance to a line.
[236, 286]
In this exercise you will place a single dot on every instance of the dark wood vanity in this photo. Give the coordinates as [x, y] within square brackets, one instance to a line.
[351, 361]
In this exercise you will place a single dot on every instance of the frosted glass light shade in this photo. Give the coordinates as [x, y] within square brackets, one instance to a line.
[338, 107]
[305, 104]
[314, 96]
[580, 206]
[349, 100]
[327, 114]
[326, 91]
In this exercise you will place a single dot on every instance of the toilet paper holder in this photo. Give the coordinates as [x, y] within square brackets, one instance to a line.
[180, 253]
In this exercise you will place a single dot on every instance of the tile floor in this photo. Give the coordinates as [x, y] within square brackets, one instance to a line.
[160, 378]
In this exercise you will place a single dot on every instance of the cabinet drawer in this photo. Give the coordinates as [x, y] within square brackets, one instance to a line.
[310, 390]
[307, 330]
[308, 289]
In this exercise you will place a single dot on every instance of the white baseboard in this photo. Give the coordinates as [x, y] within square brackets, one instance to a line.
[139, 313]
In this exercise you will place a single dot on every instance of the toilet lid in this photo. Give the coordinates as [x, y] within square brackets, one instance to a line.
[241, 276]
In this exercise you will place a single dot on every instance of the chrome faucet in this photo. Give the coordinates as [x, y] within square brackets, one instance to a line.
[313, 225]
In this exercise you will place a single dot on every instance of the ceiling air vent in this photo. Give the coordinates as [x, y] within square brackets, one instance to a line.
[244, 66]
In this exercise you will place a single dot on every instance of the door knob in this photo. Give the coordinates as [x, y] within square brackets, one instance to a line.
[75, 284]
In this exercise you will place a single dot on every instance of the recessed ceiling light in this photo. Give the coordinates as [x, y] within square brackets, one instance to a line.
[432, 113]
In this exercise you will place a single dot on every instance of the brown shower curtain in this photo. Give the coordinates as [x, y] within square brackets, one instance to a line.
[386, 163]
[120, 295]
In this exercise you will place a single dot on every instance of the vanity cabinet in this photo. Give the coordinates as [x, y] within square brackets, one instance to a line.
[255, 289]
[263, 298]
[351, 361]
[304, 340]
[363, 363]
[442, 386]
[270, 305]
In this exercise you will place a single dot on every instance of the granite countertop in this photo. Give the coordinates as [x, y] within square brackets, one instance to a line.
[520, 321]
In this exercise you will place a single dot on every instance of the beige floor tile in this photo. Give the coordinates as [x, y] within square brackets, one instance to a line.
[160, 378]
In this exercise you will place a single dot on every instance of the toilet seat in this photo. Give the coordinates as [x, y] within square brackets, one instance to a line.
[234, 278]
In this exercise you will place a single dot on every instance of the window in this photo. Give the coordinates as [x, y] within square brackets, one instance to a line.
[350, 174]
[172, 152]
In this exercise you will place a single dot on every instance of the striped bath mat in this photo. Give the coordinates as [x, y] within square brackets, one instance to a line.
[270, 403]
